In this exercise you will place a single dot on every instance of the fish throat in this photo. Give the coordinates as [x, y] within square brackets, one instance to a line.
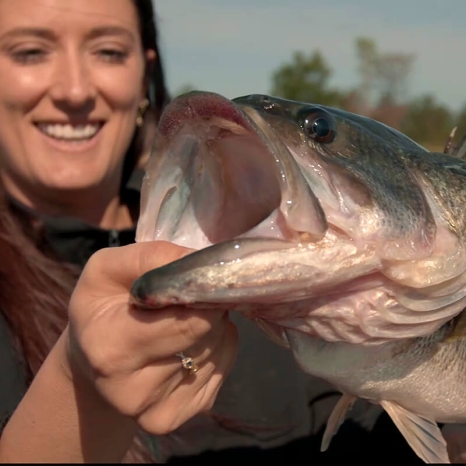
[234, 181]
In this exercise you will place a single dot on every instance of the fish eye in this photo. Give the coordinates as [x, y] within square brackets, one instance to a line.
[319, 125]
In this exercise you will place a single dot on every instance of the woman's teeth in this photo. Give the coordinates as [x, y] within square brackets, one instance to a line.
[69, 132]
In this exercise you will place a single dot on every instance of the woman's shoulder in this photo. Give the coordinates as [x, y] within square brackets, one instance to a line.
[13, 381]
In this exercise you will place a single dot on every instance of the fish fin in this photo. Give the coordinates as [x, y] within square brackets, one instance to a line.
[458, 328]
[423, 435]
[449, 144]
[460, 150]
[274, 332]
[336, 419]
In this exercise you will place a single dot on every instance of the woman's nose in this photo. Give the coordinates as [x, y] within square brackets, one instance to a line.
[72, 83]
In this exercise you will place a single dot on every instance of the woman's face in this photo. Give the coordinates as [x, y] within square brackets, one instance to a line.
[71, 82]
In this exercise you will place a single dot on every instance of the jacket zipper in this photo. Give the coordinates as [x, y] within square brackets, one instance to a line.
[113, 238]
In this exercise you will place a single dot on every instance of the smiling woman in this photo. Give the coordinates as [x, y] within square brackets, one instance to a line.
[67, 112]
[81, 84]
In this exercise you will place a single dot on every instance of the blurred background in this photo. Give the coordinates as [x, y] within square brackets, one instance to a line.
[402, 62]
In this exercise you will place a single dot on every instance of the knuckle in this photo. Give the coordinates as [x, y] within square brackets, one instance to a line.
[104, 360]
[191, 328]
[96, 260]
[103, 364]
[208, 403]
[123, 398]
[159, 421]
[98, 266]
[207, 395]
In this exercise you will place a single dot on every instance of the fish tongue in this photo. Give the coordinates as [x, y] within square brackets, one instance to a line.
[236, 186]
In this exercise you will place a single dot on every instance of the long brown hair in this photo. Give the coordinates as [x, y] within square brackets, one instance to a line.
[35, 287]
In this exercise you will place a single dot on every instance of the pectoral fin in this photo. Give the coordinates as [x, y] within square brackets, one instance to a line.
[336, 419]
[423, 435]
[274, 332]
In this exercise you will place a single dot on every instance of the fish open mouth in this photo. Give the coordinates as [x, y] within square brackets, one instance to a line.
[225, 184]
[219, 178]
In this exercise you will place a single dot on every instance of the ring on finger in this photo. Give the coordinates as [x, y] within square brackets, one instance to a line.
[188, 363]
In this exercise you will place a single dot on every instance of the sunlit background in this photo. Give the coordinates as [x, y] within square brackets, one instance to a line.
[407, 69]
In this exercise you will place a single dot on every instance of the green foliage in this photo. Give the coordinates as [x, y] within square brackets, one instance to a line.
[380, 94]
[428, 122]
[386, 74]
[306, 79]
[367, 55]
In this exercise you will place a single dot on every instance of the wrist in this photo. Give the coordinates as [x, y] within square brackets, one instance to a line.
[116, 431]
[64, 419]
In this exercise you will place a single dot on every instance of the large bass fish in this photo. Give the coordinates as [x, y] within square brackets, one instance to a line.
[341, 237]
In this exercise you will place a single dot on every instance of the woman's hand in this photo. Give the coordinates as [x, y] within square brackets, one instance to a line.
[130, 354]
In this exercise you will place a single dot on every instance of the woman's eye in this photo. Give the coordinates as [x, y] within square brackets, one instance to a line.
[112, 55]
[29, 56]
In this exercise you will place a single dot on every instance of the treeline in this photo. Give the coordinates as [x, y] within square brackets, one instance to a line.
[382, 93]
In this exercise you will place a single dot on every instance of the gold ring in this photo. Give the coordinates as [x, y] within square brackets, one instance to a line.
[188, 363]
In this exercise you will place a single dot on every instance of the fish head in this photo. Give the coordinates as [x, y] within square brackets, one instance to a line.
[281, 168]
[302, 216]
[341, 237]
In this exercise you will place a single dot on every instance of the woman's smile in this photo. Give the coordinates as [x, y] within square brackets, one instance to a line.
[69, 137]
[71, 84]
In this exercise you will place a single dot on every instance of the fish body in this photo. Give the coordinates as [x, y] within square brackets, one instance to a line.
[341, 237]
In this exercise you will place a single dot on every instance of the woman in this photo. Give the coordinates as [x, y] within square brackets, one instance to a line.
[75, 80]
[81, 84]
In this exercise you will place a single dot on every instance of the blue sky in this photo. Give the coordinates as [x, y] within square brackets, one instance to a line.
[233, 46]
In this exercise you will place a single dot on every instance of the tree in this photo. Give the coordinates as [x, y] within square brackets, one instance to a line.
[367, 54]
[305, 79]
[428, 122]
[384, 77]
[393, 71]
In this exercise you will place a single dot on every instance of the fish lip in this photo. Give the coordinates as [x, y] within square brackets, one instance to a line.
[200, 105]
[159, 287]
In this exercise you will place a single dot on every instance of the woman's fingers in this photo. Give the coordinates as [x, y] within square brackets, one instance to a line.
[131, 354]
[106, 266]
[195, 393]
[156, 379]
[114, 339]
[102, 297]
